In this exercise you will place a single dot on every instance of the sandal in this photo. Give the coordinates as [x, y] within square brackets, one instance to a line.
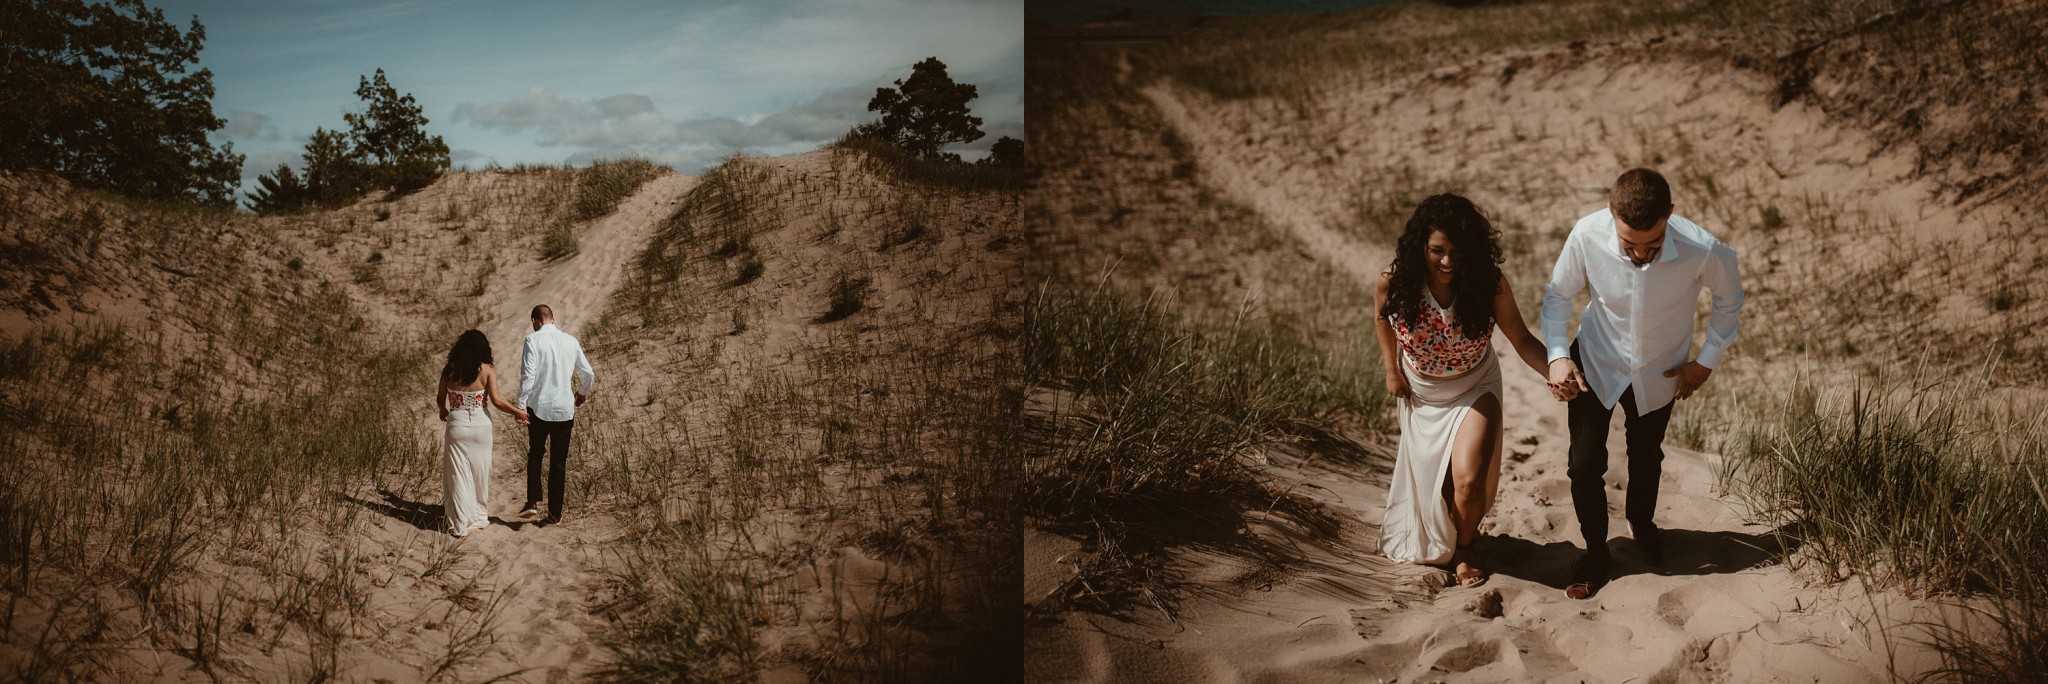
[1472, 576]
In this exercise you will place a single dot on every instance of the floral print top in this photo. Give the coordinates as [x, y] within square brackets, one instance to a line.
[464, 399]
[1436, 346]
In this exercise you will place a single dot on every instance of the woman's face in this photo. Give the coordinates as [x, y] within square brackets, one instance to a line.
[1437, 256]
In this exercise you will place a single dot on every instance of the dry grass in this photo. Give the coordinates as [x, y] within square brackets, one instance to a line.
[824, 495]
[192, 507]
[1845, 285]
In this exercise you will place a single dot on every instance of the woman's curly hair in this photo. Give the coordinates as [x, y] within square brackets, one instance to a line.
[467, 358]
[1475, 264]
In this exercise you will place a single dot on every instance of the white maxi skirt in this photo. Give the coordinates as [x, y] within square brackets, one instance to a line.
[1417, 525]
[466, 470]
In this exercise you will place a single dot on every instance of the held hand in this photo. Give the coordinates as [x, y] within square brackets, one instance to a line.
[1690, 377]
[444, 414]
[1566, 382]
[520, 416]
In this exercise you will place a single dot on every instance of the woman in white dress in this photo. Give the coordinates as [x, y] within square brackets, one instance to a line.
[466, 459]
[1439, 302]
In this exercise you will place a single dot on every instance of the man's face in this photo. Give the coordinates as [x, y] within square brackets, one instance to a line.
[1641, 246]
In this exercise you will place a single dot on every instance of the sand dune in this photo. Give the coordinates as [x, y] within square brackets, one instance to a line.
[1722, 608]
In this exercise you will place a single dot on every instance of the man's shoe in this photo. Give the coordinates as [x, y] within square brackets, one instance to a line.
[1589, 574]
[552, 520]
[531, 509]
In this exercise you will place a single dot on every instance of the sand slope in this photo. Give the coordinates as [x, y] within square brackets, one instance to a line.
[1719, 610]
[548, 574]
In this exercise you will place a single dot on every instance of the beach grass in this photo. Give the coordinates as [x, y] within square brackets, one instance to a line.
[1160, 423]
[1934, 481]
[839, 504]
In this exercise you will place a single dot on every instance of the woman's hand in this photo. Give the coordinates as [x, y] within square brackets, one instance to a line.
[1397, 387]
[520, 416]
[444, 414]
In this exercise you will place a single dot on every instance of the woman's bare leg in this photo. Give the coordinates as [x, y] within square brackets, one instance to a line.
[1472, 453]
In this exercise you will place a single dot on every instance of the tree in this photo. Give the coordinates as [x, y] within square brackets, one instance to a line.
[278, 192]
[386, 146]
[390, 138]
[1006, 152]
[924, 113]
[100, 93]
[335, 175]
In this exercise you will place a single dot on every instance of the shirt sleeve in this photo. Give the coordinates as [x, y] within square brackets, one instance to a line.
[1567, 278]
[583, 371]
[529, 368]
[1725, 283]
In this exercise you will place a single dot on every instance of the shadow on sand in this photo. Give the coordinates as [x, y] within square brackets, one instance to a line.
[1686, 552]
[421, 515]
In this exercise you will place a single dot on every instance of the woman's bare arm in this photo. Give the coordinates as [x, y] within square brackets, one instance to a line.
[1508, 315]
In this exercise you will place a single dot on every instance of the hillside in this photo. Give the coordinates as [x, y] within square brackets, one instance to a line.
[1264, 166]
[241, 478]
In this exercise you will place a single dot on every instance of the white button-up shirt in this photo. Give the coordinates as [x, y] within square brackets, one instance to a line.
[1639, 322]
[546, 361]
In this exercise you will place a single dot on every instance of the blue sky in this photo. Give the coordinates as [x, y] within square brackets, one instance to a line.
[680, 83]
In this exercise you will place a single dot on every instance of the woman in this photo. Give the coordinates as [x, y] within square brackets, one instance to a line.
[1438, 305]
[466, 461]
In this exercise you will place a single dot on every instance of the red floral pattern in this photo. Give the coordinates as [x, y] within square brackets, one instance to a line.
[1436, 346]
[465, 399]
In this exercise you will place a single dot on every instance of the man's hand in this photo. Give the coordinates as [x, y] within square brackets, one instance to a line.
[1566, 382]
[580, 398]
[1690, 377]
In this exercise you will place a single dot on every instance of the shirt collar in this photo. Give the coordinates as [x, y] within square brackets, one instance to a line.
[1664, 254]
[544, 327]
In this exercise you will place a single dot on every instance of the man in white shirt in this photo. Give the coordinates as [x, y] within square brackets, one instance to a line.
[1643, 267]
[546, 363]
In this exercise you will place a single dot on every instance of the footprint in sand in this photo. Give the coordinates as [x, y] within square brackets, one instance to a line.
[1702, 610]
[1467, 657]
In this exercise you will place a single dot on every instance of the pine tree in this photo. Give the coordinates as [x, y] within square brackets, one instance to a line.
[390, 138]
[924, 113]
[1006, 152]
[279, 192]
[101, 94]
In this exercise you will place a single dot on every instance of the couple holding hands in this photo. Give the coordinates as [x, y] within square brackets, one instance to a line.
[1439, 302]
[546, 406]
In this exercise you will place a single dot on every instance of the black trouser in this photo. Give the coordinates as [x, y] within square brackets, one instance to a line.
[1588, 463]
[554, 436]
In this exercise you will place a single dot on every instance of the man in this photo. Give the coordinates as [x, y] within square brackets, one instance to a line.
[1643, 268]
[546, 362]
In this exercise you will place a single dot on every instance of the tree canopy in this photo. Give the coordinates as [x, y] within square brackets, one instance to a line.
[386, 147]
[924, 113]
[1007, 152]
[103, 94]
[390, 138]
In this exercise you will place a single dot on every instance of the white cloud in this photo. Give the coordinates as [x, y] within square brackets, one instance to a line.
[249, 126]
[266, 161]
[631, 124]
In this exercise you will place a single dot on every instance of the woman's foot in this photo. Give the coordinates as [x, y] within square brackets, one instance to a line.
[1465, 573]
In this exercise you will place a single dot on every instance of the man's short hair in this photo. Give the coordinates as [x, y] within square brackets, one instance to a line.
[1641, 198]
[541, 312]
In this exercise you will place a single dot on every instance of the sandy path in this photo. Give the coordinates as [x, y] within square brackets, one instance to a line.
[545, 577]
[1714, 611]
